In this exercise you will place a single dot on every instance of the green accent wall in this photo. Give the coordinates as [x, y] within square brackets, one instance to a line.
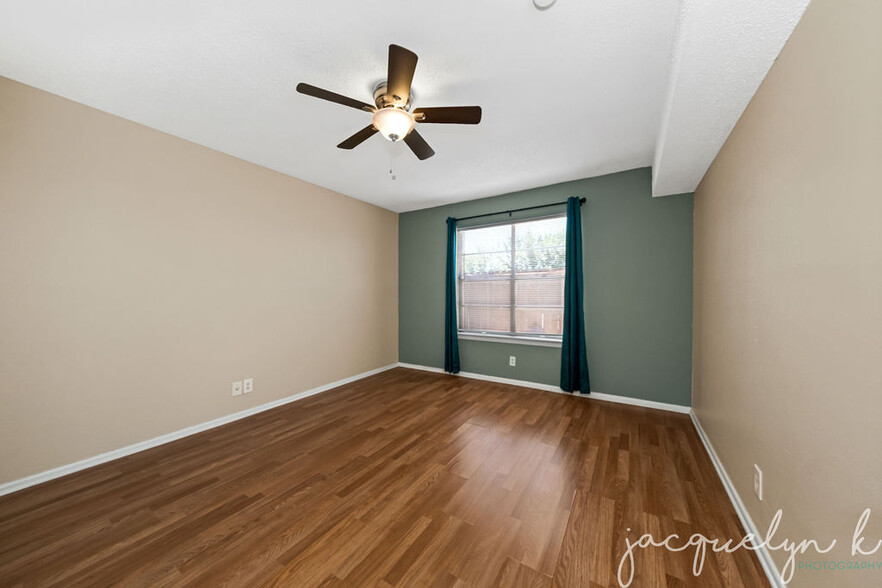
[638, 288]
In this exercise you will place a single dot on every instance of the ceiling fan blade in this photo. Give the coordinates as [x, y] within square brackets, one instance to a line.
[358, 138]
[460, 115]
[402, 64]
[418, 145]
[332, 97]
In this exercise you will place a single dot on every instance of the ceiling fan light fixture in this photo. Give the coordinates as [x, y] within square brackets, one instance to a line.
[393, 123]
[392, 116]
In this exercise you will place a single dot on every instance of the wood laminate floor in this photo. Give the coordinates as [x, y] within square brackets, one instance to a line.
[405, 478]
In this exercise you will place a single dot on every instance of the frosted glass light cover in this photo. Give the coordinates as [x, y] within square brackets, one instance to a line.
[393, 123]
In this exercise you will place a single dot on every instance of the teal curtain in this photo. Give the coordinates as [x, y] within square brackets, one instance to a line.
[451, 342]
[574, 352]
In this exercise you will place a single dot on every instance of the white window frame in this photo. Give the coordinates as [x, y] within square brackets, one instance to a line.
[497, 336]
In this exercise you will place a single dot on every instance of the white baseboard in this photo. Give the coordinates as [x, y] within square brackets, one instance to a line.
[549, 388]
[64, 470]
[765, 558]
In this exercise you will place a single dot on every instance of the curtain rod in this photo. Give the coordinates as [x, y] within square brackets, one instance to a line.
[509, 212]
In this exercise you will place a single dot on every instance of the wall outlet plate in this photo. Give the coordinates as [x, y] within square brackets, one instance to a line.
[512, 361]
[757, 481]
[249, 386]
[237, 388]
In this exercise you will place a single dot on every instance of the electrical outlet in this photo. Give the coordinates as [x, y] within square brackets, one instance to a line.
[237, 388]
[512, 361]
[249, 386]
[757, 481]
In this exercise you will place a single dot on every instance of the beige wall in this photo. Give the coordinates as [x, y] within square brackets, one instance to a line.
[141, 274]
[788, 288]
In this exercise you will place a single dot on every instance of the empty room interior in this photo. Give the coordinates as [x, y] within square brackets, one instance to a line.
[533, 293]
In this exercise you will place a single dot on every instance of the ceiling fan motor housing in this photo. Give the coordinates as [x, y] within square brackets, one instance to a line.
[384, 99]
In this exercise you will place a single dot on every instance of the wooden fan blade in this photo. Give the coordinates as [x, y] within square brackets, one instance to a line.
[358, 138]
[460, 115]
[332, 97]
[418, 145]
[402, 64]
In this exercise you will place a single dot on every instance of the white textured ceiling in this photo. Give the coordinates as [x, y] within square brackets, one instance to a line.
[584, 88]
[722, 52]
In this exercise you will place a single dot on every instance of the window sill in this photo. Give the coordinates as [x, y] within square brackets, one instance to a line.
[519, 340]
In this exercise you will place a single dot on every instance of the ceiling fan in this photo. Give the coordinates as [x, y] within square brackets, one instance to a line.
[392, 116]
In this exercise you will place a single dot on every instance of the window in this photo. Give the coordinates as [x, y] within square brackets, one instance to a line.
[510, 279]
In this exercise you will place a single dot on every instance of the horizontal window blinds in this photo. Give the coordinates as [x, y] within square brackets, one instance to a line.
[510, 278]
